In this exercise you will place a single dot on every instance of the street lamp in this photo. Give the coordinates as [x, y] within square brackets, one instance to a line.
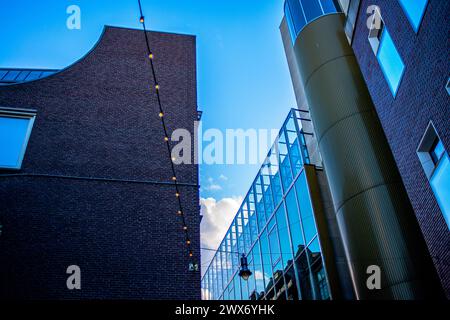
[244, 273]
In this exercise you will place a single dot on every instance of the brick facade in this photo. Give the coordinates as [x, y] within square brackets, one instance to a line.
[421, 97]
[88, 192]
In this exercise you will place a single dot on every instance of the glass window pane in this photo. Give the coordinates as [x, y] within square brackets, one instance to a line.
[259, 274]
[306, 211]
[291, 284]
[11, 75]
[22, 75]
[312, 9]
[437, 151]
[294, 223]
[390, 61]
[414, 10]
[13, 140]
[285, 245]
[440, 183]
[317, 271]
[328, 6]
[34, 75]
[3, 73]
[267, 265]
[295, 17]
[304, 277]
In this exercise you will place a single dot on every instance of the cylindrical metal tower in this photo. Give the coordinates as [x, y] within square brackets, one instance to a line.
[375, 217]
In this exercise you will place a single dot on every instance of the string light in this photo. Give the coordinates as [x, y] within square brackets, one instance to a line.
[166, 138]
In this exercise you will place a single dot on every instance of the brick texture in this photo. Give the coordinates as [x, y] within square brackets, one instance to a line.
[98, 118]
[421, 97]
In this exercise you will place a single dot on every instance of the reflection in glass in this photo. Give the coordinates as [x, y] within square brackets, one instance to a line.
[269, 228]
[390, 61]
[306, 212]
[13, 140]
[440, 183]
[415, 11]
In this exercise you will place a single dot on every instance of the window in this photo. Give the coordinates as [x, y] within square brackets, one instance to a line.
[436, 164]
[15, 129]
[440, 183]
[386, 52]
[390, 61]
[415, 11]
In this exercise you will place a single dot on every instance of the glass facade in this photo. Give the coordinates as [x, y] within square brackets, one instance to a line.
[8, 76]
[275, 228]
[14, 133]
[299, 13]
[390, 61]
[414, 11]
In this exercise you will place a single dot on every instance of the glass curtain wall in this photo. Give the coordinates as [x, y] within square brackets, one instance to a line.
[275, 228]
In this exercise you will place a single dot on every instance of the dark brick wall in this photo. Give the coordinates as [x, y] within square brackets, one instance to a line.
[421, 97]
[99, 118]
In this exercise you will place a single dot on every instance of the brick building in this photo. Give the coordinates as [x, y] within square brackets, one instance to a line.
[94, 188]
[421, 99]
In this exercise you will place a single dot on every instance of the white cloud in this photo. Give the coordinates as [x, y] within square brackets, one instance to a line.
[213, 187]
[217, 217]
[223, 177]
[259, 275]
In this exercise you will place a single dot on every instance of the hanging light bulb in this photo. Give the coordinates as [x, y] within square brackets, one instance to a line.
[150, 55]
[190, 254]
[244, 273]
[184, 228]
[161, 114]
[141, 19]
[179, 212]
[166, 139]
[177, 194]
[157, 86]
[188, 242]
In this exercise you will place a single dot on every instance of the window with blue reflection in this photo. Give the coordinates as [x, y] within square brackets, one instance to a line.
[259, 272]
[265, 255]
[237, 287]
[312, 9]
[317, 271]
[390, 61]
[283, 231]
[415, 10]
[440, 183]
[295, 17]
[306, 211]
[328, 6]
[14, 134]
[251, 279]
[274, 244]
[285, 164]
[294, 222]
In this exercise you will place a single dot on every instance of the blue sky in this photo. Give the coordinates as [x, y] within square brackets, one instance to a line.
[243, 78]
